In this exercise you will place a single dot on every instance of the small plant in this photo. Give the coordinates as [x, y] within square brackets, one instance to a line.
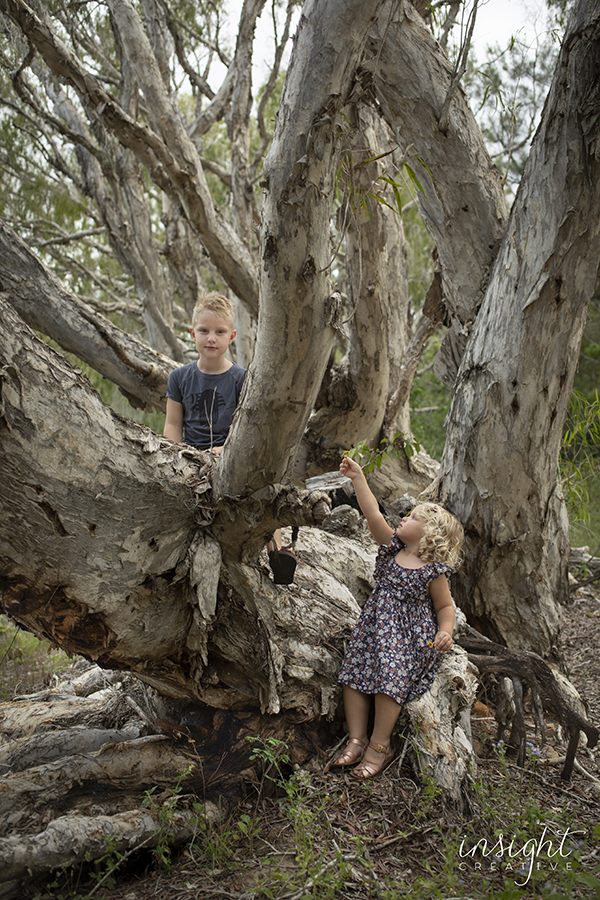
[369, 458]
[68, 880]
[165, 813]
[250, 827]
[215, 839]
[105, 867]
[273, 754]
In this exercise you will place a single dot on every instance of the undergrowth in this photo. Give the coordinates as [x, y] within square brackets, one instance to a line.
[26, 663]
[521, 836]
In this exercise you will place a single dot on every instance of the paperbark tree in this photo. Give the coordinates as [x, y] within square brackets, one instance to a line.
[135, 153]
[516, 377]
[145, 555]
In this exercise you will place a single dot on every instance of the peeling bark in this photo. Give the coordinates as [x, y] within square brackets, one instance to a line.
[46, 305]
[298, 308]
[440, 740]
[148, 556]
[507, 416]
[462, 202]
[353, 396]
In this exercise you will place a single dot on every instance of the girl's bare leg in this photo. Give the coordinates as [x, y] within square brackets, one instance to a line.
[356, 707]
[387, 711]
[376, 755]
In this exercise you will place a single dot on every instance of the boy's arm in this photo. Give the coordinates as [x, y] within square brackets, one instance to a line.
[367, 501]
[444, 612]
[173, 428]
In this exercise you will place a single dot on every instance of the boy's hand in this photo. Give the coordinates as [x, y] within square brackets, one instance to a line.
[350, 468]
[443, 641]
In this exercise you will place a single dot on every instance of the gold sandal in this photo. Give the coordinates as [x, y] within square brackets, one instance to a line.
[349, 756]
[368, 769]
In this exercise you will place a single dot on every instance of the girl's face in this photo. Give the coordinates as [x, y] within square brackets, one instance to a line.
[410, 529]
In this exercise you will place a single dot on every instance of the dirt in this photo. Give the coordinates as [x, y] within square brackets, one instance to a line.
[394, 831]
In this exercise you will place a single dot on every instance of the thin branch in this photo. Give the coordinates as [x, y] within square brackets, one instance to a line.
[460, 68]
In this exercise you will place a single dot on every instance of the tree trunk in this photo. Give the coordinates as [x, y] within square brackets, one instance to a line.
[169, 155]
[105, 549]
[169, 768]
[298, 311]
[148, 556]
[353, 398]
[505, 427]
[462, 202]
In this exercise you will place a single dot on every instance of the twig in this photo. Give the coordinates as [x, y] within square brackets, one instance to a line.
[559, 761]
[121, 860]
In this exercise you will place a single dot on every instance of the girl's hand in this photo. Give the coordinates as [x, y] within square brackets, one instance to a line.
[350, 468]
[443, 641]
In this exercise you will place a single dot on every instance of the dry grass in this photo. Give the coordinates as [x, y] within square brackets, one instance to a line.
[26, 664]
[522, 834]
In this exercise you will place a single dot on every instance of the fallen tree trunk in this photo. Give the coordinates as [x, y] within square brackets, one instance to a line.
[86, 801]
[124, 768]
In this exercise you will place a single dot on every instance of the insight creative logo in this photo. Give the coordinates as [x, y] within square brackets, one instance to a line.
[513, 854]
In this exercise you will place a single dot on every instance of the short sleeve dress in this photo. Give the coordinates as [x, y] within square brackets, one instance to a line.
[388, 652]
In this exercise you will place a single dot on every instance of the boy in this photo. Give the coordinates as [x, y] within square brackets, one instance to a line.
[202, 397]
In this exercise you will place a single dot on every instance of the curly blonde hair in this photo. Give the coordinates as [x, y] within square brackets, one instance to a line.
[443, 535]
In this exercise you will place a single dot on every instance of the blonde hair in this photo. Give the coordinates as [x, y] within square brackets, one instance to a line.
[215, 303]
[443, 535]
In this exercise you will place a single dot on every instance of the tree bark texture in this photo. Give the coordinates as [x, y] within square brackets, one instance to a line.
[147, 556]
[105, 549]
[61, 802]
[298, 311]
[462, 202]
[505, 427]
[353, 396]
[168, 153]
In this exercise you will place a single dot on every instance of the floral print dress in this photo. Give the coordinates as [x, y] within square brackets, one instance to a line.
[389, 652]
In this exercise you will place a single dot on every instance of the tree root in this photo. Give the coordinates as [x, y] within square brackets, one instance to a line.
[525, 667]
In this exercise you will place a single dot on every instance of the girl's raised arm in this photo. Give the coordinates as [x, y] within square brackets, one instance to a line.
[367, 501]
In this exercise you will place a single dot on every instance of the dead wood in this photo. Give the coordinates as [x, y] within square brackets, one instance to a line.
[584, 567]
[524, 667]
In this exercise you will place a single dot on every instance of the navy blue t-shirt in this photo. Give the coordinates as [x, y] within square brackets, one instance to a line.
[208, 401]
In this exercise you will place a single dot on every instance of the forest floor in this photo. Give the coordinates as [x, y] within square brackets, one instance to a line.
[524, 832]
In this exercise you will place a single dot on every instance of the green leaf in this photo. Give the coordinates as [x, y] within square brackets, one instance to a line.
[424, 164]
[414, 178]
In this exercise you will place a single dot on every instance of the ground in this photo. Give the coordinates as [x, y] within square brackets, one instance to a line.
[523, 833]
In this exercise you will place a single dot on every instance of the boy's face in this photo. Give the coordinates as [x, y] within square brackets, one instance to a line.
[212, 335]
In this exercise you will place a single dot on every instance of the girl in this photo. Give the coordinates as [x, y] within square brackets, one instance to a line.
[395, 648]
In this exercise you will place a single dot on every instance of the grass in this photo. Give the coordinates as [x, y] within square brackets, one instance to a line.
[521, 837]
[26, 663]
[585, 531]
[522, 834]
